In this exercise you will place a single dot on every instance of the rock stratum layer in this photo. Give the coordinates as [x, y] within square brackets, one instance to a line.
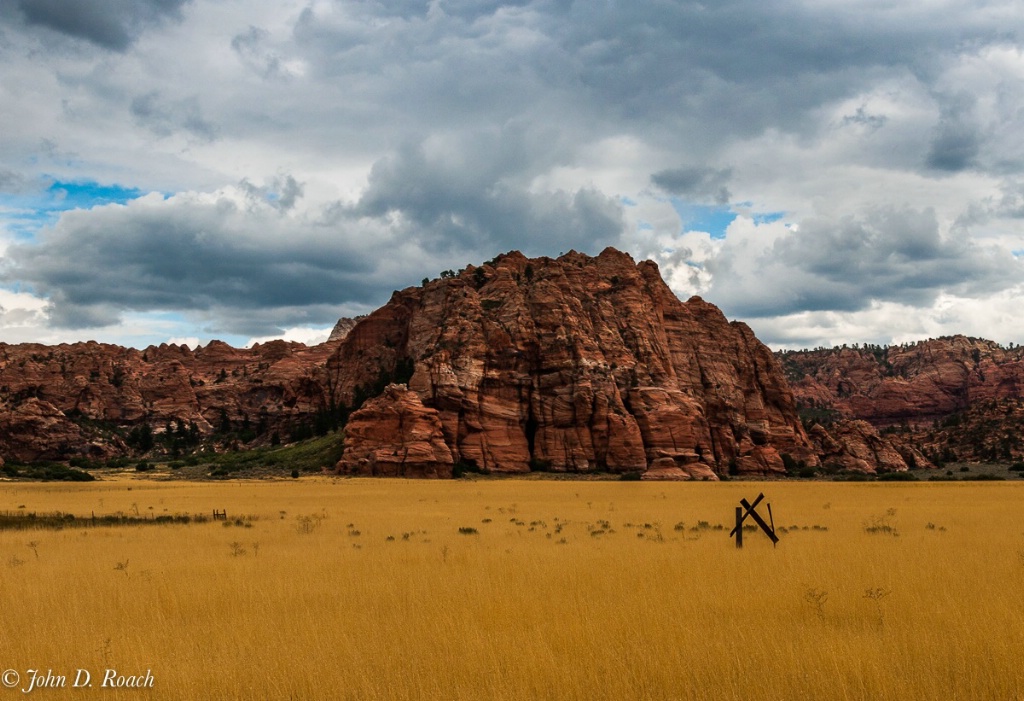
[578, 364]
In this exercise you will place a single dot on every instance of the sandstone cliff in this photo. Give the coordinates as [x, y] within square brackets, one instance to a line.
[954, 398]
[394, 435]
[58, 402]
[576, 364]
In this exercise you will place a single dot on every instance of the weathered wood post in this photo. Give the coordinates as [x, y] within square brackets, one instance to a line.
[747, 509]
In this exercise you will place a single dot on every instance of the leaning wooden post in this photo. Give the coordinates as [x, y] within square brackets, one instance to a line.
[739, 526]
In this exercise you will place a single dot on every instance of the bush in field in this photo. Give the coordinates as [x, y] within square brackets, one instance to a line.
[46, 471]
[897, 477]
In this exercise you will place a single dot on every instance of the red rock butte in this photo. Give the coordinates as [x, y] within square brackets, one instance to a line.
[575, 364]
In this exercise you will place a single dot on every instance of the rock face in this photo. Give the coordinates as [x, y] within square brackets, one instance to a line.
[855, 446]
[341, 329]
[58, 402]
[577, 364]
[955, 398]
[394, 435]
[917, 382]
[22, 428]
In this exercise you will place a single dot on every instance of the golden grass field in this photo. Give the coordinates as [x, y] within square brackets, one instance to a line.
[366, 589]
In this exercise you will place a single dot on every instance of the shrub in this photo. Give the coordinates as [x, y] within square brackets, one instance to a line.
[143, 466]
[1017, 467]
[295, 474]
[807, 472]
[47, 471]
[468, 530]
[897, 477]
[633, 476]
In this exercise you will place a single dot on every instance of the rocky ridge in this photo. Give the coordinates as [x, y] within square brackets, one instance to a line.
[952, 398]
[577, 364]
[63, 401]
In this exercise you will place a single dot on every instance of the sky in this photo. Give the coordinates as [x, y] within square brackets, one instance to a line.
[828, 171]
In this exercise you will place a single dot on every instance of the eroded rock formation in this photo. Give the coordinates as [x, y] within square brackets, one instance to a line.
[394, 435]
[58, 402]
[579, 364]
[954, 398]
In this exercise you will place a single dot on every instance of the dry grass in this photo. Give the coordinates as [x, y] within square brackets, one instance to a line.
[360, 589]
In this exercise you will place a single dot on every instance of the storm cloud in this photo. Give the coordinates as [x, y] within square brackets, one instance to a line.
[195, 255]
[308, 156]
[700, 184]
[111, 24]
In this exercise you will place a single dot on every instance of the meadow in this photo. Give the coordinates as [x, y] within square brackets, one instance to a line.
[516, 589]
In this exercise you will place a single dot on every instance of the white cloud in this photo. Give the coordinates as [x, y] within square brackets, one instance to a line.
[304, 334]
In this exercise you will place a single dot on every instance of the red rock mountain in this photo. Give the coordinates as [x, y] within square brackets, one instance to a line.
[63, 401]
[956, 398]
[577, 364]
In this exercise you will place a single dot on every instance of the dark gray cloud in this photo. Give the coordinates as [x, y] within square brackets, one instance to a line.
[280, 193]
[865, 119]
[688, 77]
[11, 182]
[112, 24]
[251, 267]
[209, 256]
[472, 201]
[696, 184]
[957, 139]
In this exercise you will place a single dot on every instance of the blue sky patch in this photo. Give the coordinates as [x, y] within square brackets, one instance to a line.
[84, 195]
[698, 217]
[24, 214]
